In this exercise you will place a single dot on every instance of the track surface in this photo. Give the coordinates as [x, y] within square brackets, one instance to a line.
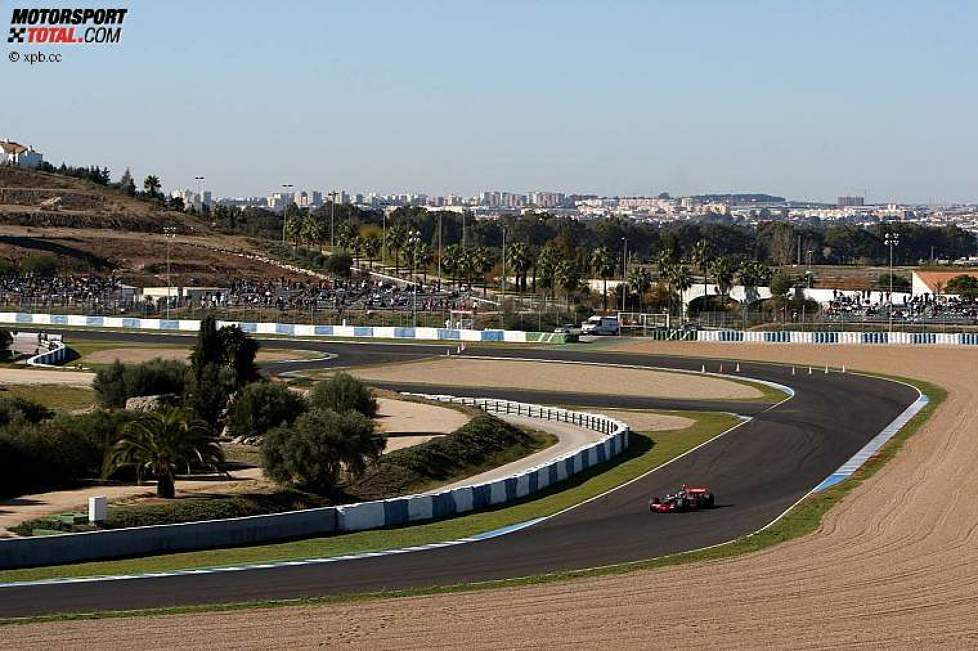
[758, 470]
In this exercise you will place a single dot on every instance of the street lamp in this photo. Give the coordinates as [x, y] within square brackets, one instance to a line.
[624, 272]
[414, 241]
[891, 240]
[332, 212]
[285, 186]
[169, 232]
[200, 191]
[808, 274]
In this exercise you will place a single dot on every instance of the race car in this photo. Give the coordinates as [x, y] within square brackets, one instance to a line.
[686, 498]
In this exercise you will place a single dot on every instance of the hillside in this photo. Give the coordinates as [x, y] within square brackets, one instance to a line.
[98, 229]
[32, 198]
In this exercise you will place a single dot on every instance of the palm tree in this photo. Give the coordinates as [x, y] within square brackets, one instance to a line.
[452, 262]
[345, 234]
[311, 231]
[396, 238]
[371, 248]
[701, 258]
[546, 265]
[724, 269]
[293, 229]
[604, 264]
[161, 442]
[640, 282]
[680, 279]
[568, 276]
[518, 259]
[752, 274]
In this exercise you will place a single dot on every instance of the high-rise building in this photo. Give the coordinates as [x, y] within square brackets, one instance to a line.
[846, 202]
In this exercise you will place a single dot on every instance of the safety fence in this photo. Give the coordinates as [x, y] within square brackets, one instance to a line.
[188, 536]
[286, 329]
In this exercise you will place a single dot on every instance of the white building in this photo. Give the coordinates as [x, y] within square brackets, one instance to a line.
[21, 155]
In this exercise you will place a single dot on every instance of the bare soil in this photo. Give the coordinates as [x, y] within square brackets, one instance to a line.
[560, 377]
[136, 355]
[894, 565]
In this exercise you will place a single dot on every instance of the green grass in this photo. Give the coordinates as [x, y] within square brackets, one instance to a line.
[53, 396]
[641, 457]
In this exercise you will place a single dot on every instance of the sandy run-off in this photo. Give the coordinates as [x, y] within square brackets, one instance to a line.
[136, 355]
[894, 565]
[408, 423]
[44, 376]
[606, 380]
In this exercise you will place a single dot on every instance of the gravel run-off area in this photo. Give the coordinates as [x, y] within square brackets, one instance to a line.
[604, 380]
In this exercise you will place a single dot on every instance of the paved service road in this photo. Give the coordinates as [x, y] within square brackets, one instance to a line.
[757, 471]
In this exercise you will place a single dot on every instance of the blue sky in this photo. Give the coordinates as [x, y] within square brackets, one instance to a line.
[805, 99]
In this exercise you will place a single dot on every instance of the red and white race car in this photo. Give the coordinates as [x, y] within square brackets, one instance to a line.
[687, 498]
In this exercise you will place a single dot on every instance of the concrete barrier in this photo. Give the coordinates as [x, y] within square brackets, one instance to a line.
[287, 329]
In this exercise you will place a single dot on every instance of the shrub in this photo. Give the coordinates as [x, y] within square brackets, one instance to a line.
[39, 264]
[262, 406]
[15, 407]
[320, 445]
[119, 382]
[343, 392]
[55, 453]
[340, 264]
[482, 442]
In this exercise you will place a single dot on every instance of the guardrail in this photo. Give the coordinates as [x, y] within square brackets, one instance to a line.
[819, 337]
[287, 329]
[188, 536]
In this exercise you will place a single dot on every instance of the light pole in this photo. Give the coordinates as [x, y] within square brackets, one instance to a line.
[808, 274]
[502, 285]
[439, 250]
[414, 240]
[891, 240]
[332, 212]
[624, 272]
[285, 186]
[383, 253]
[169, 232]
[200, 191]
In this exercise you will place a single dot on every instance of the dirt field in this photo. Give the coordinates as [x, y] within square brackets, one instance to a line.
[560, 377]
[41, 376]
[891, 567]
[134, 355]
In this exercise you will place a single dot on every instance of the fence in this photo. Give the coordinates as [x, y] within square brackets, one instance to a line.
[95, 545]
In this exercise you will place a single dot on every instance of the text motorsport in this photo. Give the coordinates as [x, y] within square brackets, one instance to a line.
[57, 26]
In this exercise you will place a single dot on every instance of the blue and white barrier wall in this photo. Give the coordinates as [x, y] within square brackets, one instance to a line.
[56, 353]
[188, 536]
[288, 329]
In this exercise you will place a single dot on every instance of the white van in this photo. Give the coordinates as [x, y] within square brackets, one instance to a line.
[601, 325]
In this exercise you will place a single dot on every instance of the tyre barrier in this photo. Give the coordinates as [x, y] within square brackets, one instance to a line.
[288, 329]
[251, 530]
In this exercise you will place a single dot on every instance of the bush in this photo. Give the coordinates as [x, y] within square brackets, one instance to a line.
[340, 264]
[343, 392]
[55, 453]
[262, 406]
[39, 264]
[483, 442]
[320, 445]
[119, 382]
[14, 407]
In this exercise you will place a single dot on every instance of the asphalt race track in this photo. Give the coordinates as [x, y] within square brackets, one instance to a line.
[757, 471]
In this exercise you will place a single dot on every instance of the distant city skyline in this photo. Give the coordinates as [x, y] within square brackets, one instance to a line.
[811, 101]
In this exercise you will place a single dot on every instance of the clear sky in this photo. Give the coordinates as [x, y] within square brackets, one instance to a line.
[805, 99]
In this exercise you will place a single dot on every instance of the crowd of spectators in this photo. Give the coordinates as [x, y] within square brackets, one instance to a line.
[106, 294]
[866, 305]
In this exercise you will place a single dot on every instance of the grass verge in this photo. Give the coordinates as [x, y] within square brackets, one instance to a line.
[54, 396]
[642, 456]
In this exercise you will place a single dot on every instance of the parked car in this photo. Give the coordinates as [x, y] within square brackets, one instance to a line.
[601, 325]
[568, 329]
